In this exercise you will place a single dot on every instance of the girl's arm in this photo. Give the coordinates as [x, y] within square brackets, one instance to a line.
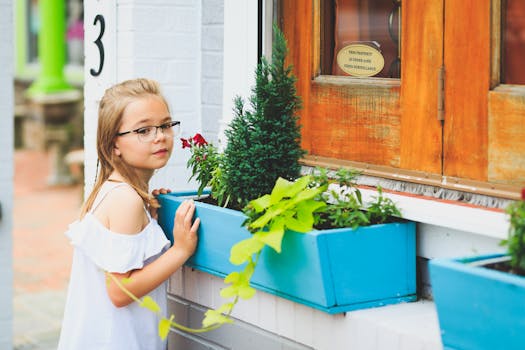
[143, 281]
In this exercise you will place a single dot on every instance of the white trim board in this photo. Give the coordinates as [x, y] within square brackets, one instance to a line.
[487, 222]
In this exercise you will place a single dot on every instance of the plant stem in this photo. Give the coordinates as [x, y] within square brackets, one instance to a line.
[172, 323]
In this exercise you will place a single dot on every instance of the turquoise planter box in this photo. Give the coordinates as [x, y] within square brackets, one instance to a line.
[331, 270]
[478, 308]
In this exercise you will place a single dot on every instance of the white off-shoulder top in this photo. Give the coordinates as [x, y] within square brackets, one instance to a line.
[90, 320]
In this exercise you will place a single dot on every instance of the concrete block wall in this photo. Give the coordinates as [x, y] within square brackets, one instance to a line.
[271, 322]
[6, 172]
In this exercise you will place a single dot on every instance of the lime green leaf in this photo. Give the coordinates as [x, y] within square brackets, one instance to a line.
[150, 304]
[306, 194]
[308, 207]
[279, 190]
[271, 213]
[272, 238]
[305, 214]
[164, 327]
[246, 292]
[261, 203]
[232, 277]
[217, 317]
[243, 250]
[299, 226]
[229, 292]
[225, 308]
[299, 185]
[248, 270]
[211, 318]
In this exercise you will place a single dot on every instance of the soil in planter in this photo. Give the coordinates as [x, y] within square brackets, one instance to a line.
[213, 201]
[325, 225]
[504, 266]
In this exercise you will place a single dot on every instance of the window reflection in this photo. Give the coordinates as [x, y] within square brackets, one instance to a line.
[513, 46]
[374, 23]
[74, 31]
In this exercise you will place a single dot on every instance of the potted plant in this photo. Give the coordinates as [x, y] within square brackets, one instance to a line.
[479, 298]
[268, 240]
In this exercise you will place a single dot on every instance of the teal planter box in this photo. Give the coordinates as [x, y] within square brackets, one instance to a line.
[478, 308]
[331, 270]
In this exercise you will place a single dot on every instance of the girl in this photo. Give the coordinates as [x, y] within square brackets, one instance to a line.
[117, 232]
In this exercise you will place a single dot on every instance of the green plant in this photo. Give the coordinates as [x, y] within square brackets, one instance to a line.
[345, 206]
[295, 206]
[264, 143]
[205, 163]
[382, 209]
[516, 238]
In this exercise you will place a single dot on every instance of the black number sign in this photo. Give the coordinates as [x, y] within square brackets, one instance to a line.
[98, 42]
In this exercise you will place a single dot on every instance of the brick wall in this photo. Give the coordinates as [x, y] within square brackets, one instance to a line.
[212, 66]
[160, 40]
[6, 172]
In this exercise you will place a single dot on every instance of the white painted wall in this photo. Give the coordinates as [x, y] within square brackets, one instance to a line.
[212, 67]
[6, 173]
[240, 55]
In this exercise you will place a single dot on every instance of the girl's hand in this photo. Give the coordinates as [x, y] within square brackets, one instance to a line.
[185, 229]
[153, 211]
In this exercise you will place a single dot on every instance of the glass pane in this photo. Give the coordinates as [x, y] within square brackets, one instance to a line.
[33, 23]
[513, 46]
[361, 38]
[75, 31]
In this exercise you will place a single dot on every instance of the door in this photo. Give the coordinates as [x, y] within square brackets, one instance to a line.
[440, 112]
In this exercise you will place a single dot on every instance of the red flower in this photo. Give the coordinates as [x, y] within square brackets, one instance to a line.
[523, 194]
[199, 140]
[185, 143]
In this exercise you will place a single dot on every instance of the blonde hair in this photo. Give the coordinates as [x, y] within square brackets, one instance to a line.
[111, 108]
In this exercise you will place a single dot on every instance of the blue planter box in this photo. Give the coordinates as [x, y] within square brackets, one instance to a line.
[332, 270]
[478, 308]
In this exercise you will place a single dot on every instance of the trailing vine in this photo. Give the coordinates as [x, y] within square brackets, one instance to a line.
[150, 304]
[290, 206]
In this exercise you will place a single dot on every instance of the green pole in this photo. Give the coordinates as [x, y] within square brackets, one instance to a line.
[51, 48]
[20, 36]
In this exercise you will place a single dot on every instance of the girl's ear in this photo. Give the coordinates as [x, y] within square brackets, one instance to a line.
[117, 151]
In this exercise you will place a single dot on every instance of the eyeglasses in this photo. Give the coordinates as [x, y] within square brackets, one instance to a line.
[148, 133]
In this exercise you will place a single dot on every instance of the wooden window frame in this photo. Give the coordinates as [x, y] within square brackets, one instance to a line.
[407, 175]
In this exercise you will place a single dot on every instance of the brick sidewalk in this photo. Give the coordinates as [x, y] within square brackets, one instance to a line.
[41, 252]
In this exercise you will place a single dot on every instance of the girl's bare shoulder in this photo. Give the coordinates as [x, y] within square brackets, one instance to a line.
[122, 211]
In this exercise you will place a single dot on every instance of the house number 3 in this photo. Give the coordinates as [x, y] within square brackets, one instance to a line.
[100, 46]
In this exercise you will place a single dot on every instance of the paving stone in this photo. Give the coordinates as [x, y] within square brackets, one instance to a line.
[41, 252]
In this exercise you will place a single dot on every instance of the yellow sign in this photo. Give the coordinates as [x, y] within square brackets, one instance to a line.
[360, 60]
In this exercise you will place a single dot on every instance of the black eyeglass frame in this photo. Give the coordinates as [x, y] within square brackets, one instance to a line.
[162, 127]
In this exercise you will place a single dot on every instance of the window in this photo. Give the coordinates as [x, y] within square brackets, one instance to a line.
[360, 24]
[513, 42]
[444, 119]
[27, 39]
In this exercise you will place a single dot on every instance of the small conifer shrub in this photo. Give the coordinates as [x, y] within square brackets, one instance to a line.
[264, 142]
